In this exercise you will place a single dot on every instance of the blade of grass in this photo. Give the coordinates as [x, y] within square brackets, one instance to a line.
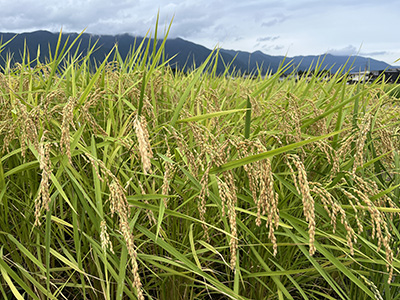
[192, 247]
[7, 272]
[11, 285]
[140, 105]
[161, 212]
[332, 259]
[27, 253]
[275, 278]
[248, 120]
[193, 267]
[122, 272]
[196, 78]
[47, 247]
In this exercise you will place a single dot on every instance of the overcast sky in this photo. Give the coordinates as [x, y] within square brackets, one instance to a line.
[283, 27]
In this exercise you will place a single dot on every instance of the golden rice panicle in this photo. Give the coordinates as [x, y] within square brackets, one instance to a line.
[124, 227]
[350, 231]
[269, 200]
[118, 200]
[227, 191]
[231, 203]
[371, 188]
[142, 134]
[202, 199]
[327, 149]
[85, 114]
[43, 198]
[137, 284]
[119, 205]
[335, 209]
[67, 120]
[379, 222]
[308, 201]
[373, 287]
[261, 178]
[292, 174]
[326, 199]
[385, 144]
[105, 237]
[28, 128]
[9, 129]
[273, 213]
[352, 198]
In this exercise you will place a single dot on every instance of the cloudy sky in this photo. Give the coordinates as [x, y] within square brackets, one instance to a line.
[282, 27]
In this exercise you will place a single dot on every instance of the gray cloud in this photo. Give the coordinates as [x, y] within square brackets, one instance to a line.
[352, 50]
[348, 50]
[98, 15]
[302, 27]
[278, 47]
[374, 53]
[274, 20]
[268, 38]
[271, 23]
[269, 48]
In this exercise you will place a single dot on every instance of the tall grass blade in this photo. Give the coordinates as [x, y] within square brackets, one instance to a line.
[248, 120]
[195, 80]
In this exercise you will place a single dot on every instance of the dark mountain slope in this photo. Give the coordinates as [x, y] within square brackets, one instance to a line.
[184, 54]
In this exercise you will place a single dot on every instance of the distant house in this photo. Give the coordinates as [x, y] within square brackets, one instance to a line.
[361, 76]
[388, 75]
[391, 75]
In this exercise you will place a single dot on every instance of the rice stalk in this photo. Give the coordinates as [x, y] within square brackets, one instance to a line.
[261, 185]
[142, 134]
[120, 206]
[43, 197]
[67, 120]
[303, 188]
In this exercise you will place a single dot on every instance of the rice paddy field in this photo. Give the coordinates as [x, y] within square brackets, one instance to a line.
[125, 180]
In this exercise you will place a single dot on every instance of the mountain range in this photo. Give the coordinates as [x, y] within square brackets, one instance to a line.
[184, 54]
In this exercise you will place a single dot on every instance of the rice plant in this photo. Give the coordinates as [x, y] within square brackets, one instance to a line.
[128, 181]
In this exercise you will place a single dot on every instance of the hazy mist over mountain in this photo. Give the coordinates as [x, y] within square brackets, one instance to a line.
[185, 54]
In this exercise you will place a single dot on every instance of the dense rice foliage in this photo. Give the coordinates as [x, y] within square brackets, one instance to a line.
[132, 181]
